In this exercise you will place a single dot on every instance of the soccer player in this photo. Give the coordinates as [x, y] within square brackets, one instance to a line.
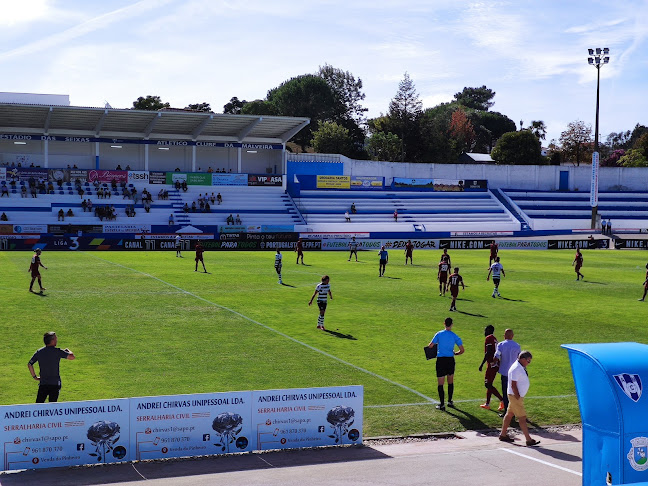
[178, 242]
[453, 282]
[33, 268]
[494, 250]
[323, 291]
[577, 264]
[645, 284]
[384, 258]
[496, 269]
[442, 275]
[445, 364]
[353, 248]
[278, 257]
[409, 248]
[445, 254]
[492, 367]
[199, 256]
[300, 251]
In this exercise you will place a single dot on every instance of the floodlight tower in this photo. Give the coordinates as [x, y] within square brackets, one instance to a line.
[597, 58]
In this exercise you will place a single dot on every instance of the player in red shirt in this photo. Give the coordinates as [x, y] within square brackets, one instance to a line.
[494, 249]
[578, 263]
[442, 275]
[300, 251]
[453, 282]
[409, 248]
[33, 268]
[645, 285]
[492, 366]
[199, 256]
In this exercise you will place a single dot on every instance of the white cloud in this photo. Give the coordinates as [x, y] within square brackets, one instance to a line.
[23, 12]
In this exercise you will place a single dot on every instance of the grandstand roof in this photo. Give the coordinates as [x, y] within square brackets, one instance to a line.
[139, 124]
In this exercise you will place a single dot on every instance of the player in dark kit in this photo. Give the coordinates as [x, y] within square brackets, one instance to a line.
[453, 282]
[442, 275]
[300, 251]
[446, 255]
[645, 284]
[409, 248]
[492, 366]
[578, 263]
[494, 250]
[33, 268]
[199, 256]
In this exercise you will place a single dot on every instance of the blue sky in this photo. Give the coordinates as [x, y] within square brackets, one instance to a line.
[533, 54]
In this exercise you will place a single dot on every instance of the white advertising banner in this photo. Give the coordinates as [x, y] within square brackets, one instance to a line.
[64, 434]
[417, 244]
[135, 176]
[126, 228]
[30, 228]
[595, 180]
[344, 244]
[308, 417]
[191, 425]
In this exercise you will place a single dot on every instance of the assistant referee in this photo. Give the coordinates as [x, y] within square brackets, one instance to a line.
[445, 364]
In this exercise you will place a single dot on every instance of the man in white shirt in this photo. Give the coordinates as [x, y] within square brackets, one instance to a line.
[496, 269]
[518, 386]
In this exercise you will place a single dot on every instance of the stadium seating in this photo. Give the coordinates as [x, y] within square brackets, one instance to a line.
[425, 211]
[547, 210]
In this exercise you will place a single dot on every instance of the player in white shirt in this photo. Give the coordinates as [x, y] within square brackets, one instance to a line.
[278, 263]
[497, 270]
[178, 243]
[323, 291]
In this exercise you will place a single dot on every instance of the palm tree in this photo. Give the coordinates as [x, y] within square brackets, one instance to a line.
[539, 129]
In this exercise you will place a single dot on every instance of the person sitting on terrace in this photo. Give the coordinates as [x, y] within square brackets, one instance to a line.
[5, 190]
[207, 207]
[126, 193]
[210, 170]
[69, 212]
[353, 208]
[177, 185]
[193, 207]
[34, 192]
[50, 188]
[80, 191]
[61, 215]
[113, 184]
[219, 198]
[184, 186]
[89, 205]
[171, 220]
[107, 193]
[41, 186]
[118, 167]
[84, 205]
[230, 220]
[74, 166]
[59, 182]
[100, 193]
[238, 219]
[127, 167]
[23, 191]
[4, 217]
[201, 204]
[347, 217]
[161, 194]
[185, 208]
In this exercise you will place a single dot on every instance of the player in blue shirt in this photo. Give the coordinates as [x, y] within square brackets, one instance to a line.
[384, 258]
[445, 365]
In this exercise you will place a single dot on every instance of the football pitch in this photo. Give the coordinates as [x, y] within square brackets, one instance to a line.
[144, 323]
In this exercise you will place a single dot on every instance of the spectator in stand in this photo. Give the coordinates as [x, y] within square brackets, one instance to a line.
[184, 186]
[5, 190]
[207, 207]
[32, 182]
[609, 227]
[69, 212]
[347, 217]
[177, 185]
[118, 167]
[126, 193]
[107, 193]
[60, 183]
[209, 170]
[4, 217]
[202, 204]
[193, 207]
[41, 186]
[23, 191]
[395, 215]
[219, 198]
[185, 208]
[171, 220]
[177, 169]
[230, 220]
[96, 185]
[113, 184]
[603, 225]
[84, 205]
[238, 219]
[89, 205]
[128, 167]
[33, 192]
[100, 193]
[61, 215]
[134, 195]
[74, 166]
[212, 198]
[353, 208]
[80, 191]
[147, 205]
[161, 194]
[50, 188]
[122, 184]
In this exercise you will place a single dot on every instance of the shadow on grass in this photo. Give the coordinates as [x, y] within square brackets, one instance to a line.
[465, 300]
[512, 300]
[39, 294]
[288, 285]
[393, 278]
[467, 420]
[471, 314]
[341, 335]
[593, 282]
[306, 265]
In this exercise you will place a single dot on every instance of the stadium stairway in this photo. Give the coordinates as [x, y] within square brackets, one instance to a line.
[502, 198]
[179, 216]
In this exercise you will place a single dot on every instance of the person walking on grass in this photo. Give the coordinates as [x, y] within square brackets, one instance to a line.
[518, 386]
[323, 292]
[645, 284]
[496, 269]
[492, 366]
[577, 264]
[445, 342]
[409, 249]
[199, 256]
[34, 269]
[453, 282]
[506, 352]
[278, 263]
[384, 258]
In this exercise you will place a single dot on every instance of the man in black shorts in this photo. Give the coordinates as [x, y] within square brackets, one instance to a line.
[48, 357]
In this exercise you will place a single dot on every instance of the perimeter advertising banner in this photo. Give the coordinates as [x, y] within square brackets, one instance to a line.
[580, 244]
[465, 244]
[308, 417]
[636, 244]
[64, 434]
[135, 176]
[333, 182]
[343, 244]
[418, 244]
[157, 177]
[417, 183]
[26, 173]
[522, 244]
[228, 179]
[367, 183]
[191, 425]
[118, 176]
[265, 180]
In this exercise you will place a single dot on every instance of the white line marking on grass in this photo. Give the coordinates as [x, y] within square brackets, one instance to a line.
[511, 451]
[471, 400]
[340, 360]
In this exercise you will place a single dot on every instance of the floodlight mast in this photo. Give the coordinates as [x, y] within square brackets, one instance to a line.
[595, 59]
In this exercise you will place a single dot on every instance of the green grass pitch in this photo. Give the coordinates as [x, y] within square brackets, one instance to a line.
[144, 323]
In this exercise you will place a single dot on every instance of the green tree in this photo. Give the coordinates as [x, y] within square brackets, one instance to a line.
[258, 107]
[633, 158]
[576, 142]
[642, 144]
[331, 138]
[476, 98]
[202, 107]
[437, 146]
[384, 146]
[405, 111]
[308, 96]
[150, 103]
[234, 106]
[539, 129]
[489, 127]
[518, 148]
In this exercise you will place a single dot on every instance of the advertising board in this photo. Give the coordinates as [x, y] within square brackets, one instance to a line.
[333, 182]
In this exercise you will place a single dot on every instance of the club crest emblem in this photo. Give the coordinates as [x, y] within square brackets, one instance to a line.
[638, 454]
[630, 384]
